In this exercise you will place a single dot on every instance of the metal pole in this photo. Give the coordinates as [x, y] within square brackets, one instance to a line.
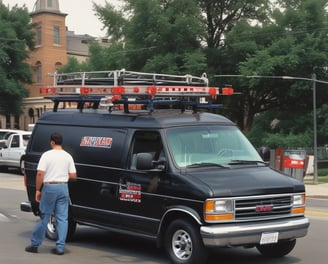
[315, 147]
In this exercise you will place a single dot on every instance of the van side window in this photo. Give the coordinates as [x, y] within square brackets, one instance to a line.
[146, 142]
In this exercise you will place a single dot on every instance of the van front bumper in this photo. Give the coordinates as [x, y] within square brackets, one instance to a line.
[238, 234]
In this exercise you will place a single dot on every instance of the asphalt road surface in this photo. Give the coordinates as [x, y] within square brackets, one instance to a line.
[91, 245]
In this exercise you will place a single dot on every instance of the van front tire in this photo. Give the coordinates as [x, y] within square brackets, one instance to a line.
[183, 243]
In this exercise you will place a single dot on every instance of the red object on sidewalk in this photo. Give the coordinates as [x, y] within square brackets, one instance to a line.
[293, 163]
[279, 165]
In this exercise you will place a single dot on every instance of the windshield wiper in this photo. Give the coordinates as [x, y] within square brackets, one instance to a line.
[237, 162]
[206, 164]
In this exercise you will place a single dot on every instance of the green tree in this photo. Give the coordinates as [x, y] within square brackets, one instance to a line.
[16, 39]
[109, 58]
[161, 36]
[113, 20]
[73, 65]
[282, 129]
[226, 37]
[293, 42]
[219, 17]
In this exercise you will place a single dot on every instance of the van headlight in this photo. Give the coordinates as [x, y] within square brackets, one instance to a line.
[298, 204]
[218, 210]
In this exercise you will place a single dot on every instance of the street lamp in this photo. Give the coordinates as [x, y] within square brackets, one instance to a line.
[314, 81]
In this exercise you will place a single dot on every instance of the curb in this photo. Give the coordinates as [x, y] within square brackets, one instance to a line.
[316, 213]
[316, 196]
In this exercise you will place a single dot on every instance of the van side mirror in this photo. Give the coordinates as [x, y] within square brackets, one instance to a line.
[145, 162]
[264, 153]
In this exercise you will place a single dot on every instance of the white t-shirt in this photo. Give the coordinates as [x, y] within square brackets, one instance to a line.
[56, 164]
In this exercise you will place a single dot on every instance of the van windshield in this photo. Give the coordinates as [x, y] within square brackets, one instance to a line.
[211, 145]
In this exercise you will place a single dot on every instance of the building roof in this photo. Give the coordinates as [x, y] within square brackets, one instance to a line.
[48, 6]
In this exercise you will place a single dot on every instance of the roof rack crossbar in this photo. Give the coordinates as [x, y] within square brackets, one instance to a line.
[180, 103]
[95, 102]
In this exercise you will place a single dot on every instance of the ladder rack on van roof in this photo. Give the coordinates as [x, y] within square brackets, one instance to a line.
[121, 87]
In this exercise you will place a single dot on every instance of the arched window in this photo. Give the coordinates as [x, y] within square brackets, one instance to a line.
[58, 65]
[31, 115]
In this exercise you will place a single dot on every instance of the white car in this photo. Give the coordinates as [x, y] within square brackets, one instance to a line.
[13, 149]
[4, 135]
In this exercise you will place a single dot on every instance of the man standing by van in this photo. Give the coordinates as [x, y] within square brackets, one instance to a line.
[55, 168]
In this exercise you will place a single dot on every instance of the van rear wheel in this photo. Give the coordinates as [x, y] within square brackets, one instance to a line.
[51, 231]
[183, 243]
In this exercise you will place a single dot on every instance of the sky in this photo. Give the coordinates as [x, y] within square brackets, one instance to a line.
[80, 16]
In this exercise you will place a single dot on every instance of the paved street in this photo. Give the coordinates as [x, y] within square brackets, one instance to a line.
[91, 245]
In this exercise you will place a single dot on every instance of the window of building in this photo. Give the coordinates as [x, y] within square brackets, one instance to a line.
[58, 65]
[38, 36]
[56, 35]
[38, 72]
[49, 3]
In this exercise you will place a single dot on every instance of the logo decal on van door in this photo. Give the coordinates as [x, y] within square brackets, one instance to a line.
[130, 192]
[96, 142]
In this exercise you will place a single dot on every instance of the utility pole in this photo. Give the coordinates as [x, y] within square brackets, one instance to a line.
[315, 147]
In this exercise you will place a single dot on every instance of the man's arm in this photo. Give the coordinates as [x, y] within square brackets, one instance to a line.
[38, 185]
[72, 175]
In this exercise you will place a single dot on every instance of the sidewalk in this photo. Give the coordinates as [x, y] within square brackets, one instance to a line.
[317, 190]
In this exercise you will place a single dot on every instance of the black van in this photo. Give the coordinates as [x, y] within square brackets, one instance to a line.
[189, 180]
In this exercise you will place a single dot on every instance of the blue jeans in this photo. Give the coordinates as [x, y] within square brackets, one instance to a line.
[54, 199]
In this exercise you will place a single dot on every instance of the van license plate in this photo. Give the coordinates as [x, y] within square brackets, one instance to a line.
[269, 238]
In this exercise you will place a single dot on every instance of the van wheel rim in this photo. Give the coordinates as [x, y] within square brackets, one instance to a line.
[182, 245]
[52, 224]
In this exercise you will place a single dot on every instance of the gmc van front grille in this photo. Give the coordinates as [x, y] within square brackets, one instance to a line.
[259, 207]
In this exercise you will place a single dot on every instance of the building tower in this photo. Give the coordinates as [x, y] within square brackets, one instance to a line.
[50, 53]
[50, 43]
[53, 45]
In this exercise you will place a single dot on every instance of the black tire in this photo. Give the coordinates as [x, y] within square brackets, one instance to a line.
[22, 167]
[183, 243]
[3, 169]
[51, 231]
[280, 249]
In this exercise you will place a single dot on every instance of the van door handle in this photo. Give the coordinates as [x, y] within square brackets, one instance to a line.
[123, 181]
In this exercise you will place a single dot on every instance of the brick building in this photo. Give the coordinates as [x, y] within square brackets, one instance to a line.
[53, 45]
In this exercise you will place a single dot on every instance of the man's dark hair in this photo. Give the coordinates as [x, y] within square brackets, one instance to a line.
[57, 138]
